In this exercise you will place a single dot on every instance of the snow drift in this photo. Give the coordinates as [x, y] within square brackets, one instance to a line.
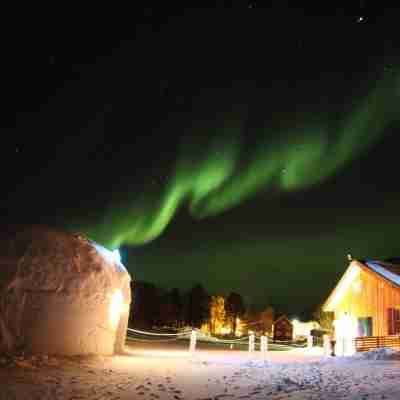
[61, 294]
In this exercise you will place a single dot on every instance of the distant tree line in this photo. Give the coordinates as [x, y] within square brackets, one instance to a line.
[153, 306]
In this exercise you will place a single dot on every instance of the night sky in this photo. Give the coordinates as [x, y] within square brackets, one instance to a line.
[249, 150]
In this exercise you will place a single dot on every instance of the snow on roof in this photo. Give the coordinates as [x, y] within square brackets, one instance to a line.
[108, 255]
[387, 270]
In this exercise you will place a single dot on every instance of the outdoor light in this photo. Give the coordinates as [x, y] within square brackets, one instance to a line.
[116, 308]
[225, 330]
[239, 327]
[345, 332]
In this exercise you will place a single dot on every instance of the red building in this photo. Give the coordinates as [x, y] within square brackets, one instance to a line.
[283, 328]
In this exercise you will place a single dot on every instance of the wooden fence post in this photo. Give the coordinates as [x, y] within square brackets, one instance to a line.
[264, 344]
[309, 341]
[193, 339]
[326, 345]
[251, 342]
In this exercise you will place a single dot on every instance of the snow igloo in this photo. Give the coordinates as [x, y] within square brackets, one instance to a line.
[61, 294]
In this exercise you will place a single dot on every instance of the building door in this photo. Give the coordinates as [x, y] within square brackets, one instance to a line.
[364, 326]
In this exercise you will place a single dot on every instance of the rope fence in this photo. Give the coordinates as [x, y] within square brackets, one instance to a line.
[138, 331]
[195, 336]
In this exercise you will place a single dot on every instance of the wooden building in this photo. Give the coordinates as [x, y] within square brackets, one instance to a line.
[283, 329]
[366, 300]
[301, 330]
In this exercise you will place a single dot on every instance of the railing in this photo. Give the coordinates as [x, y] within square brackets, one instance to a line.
[137, 335]
[367, 343]
[153, 336]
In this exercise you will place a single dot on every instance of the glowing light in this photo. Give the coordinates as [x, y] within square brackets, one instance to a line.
[117, 255]
[344, 326]
[224, 330]
[205, 328]
[348, 278]
[117, 306]
[303, 329]
[345, 332]
[239, 327]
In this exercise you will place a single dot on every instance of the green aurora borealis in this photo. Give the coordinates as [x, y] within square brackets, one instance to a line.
[212, 175]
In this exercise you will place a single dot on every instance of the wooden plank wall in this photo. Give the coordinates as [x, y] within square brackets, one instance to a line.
[373, 342]
[373, 299]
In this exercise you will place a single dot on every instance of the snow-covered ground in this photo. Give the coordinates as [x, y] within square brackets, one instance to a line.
[167, 371]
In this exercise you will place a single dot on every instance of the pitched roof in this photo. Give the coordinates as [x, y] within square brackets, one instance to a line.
[385, 269]
[283, 316]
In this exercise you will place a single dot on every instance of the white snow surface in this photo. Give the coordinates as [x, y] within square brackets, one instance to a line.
[56, 294]
[168, 371]
[383, 353]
